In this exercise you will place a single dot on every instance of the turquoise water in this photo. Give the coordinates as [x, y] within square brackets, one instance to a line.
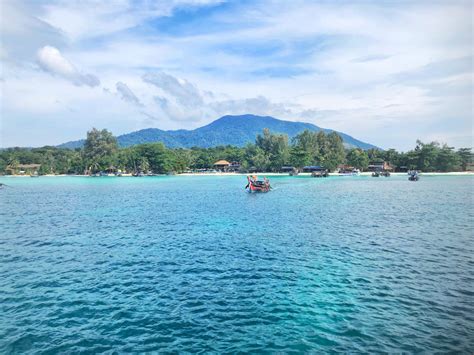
[195, 264]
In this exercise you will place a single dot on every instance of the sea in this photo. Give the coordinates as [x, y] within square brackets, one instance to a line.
[195, 264]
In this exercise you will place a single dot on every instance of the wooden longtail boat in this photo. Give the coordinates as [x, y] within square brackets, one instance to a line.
[255, 185]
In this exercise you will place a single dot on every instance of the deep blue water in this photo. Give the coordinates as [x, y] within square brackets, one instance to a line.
[195, 264]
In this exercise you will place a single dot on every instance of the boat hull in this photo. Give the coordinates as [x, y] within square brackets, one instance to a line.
[253, 189]
[257, 186]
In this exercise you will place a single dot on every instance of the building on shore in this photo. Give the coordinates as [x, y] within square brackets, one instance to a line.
[222, 165]
[379, 166]
[402, 169]
[287, 169]
[234, 167]
[23, 169]
[313, 168]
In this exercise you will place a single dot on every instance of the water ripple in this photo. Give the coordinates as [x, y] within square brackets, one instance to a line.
[143, 265]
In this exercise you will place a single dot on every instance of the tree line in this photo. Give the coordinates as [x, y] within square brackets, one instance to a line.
[269, 153]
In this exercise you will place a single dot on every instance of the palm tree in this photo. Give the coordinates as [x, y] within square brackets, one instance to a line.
[144, 164]
[13, 164]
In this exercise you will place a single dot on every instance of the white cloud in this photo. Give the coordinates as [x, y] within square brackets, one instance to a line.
[127, 94]
[185, 93]
[361, 67]
[52, 61]
[22, 33]
[93, 18]
[259, 105]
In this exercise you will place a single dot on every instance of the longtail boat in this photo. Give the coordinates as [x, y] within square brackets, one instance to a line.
[255, 185]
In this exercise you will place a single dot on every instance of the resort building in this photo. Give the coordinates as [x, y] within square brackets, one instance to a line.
[222, 165]
[313, 168]
[287, 169]
[402, 169]
[234, 167]
[23, 169]
[379, 166]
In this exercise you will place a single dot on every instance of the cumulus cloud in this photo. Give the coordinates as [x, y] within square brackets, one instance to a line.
[52, 61]
[357, 79]
[177, 112]
[127, 94]
[22, 33]
[259, 105]
[183, 101]
[92, 18]
[183, 91]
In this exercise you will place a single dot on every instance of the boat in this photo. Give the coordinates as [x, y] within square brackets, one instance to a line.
[291, 170]
[413, 176]
[316, 170]
[319, 174]
[255, 185]
[99, 174]
[354, 172]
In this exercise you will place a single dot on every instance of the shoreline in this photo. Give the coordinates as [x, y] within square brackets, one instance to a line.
[454, 173]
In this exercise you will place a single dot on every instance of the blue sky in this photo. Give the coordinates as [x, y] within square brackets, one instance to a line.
[386, 72]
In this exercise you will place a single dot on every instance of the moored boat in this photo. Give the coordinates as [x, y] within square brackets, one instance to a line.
[319, 174]
[316, 170]
[291, 170]
[347, 170]
[413, 175]
[255, 185]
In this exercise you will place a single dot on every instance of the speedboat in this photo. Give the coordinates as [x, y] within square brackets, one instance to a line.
[413, 176]
[349, 172]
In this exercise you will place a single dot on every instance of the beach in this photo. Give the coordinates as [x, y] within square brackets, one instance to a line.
[454, 173]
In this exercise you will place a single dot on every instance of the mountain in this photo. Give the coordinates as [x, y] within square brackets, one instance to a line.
[233, 130]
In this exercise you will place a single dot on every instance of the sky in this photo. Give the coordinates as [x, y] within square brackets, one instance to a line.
[385, 72]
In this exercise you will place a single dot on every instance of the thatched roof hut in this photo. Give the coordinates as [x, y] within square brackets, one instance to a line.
[221, 165]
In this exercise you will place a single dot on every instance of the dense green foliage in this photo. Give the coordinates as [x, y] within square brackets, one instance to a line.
[269, 153]
[427, 157]
[99, 150]
[358, 158]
